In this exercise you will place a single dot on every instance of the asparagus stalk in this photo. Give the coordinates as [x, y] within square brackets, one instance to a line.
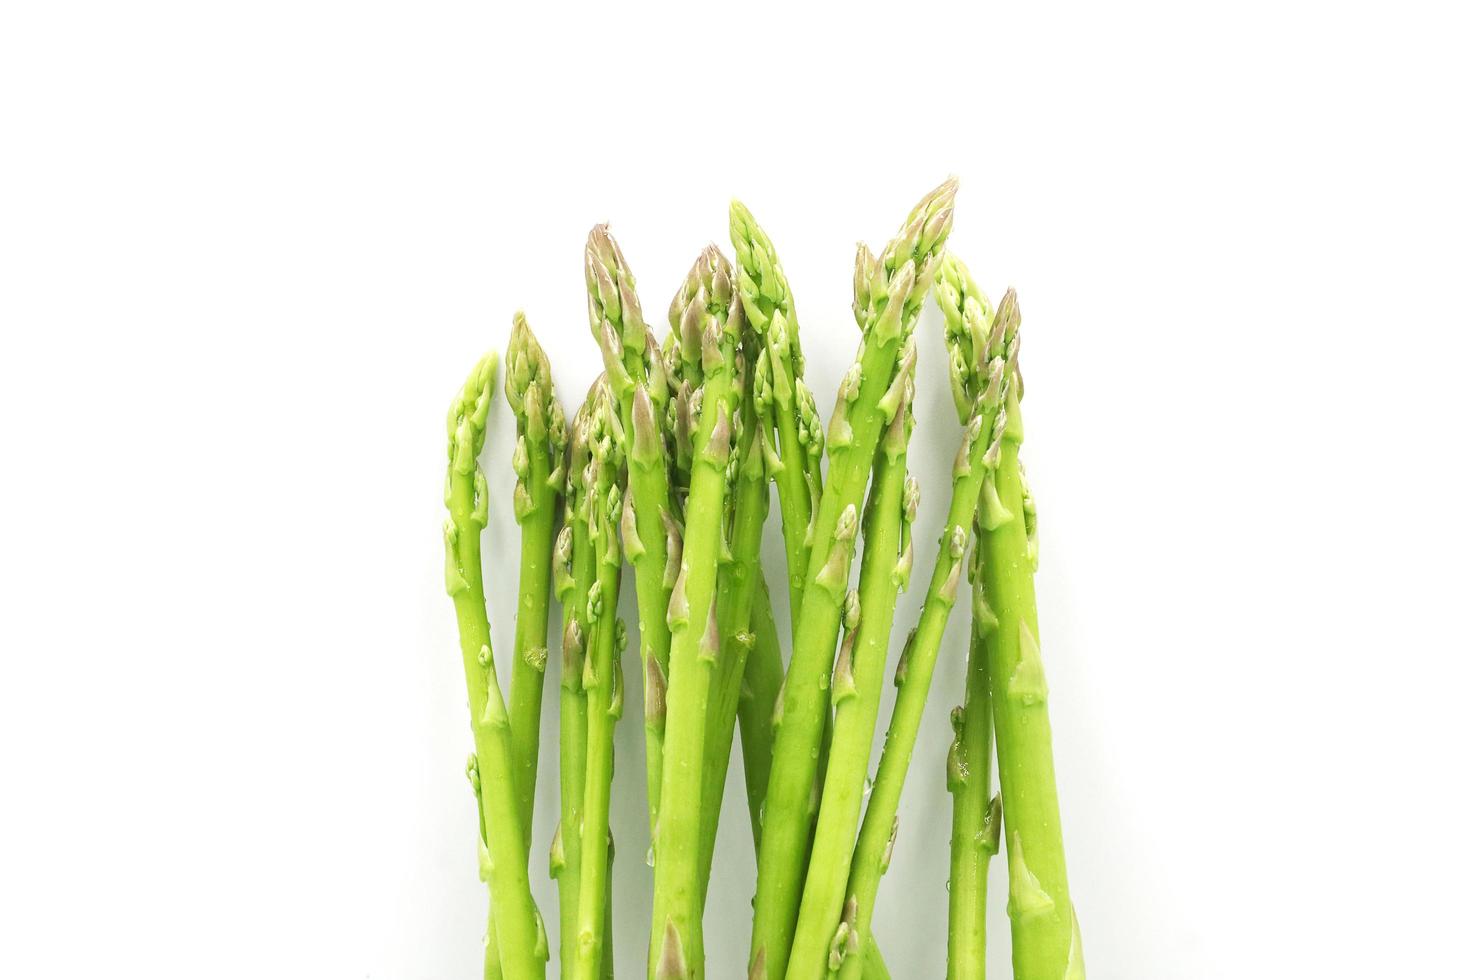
[889, 294]
[918, 660]
[763, 676]
[649, 529]
[792, 438]
[875, 964]
[791, 441]
[710, 326]
[601, 678]
[739, 582]
[975, 820]
[575, 571]
[822, 940]
[503, 861]
[1046, 943]
[540, 438]
[608, 957]
[540, 429]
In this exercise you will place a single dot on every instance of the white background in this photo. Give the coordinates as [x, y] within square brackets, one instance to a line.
[248, 250]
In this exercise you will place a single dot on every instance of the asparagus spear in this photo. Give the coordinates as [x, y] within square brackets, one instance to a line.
[649, 528]
[1046, 942]
[763, 675]
[975, 820]
[540, 428]
[821, 939]
[739, 582]
[540, 425]
[575, 571]
[601, 678]
[503, 861]
[914, 673]
[710, 326]
[889, 293]
[792, 438]
[791, 441]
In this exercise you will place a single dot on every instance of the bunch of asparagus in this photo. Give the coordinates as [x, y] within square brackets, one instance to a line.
[667, 467]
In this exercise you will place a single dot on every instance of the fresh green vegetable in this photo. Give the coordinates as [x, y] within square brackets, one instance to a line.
[975, 820]
[889, 292]
[503, 854]
[763, 677]
[668, 463]
[651, 537]
[539, 424]
[1046, 943]
[709, 326]
[918, 660]
[784, 408]
[601, 678]
[575, 572]
[822, 940]
[739, 582]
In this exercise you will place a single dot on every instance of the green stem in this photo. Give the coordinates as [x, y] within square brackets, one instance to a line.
[608, 958]
[918, 661]
[739, 584]
[788, 812]
[648, 533]
[638, 382]
[763, 675]
[975, 820]
[1045, 933]
[540, 426]
[913, 676]
[821, 939]
[527, 682]
[874, 962]
[503, 852]
[713, 313]
[791, 478]
[601, 680]
[573, 729]
[573, 583]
